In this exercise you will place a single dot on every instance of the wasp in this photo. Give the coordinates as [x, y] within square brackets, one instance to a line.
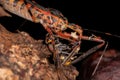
[63, 39]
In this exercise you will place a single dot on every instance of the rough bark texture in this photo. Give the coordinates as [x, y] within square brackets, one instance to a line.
[23, 58]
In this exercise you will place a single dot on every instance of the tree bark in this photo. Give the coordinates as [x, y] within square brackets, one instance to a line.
[24, 58]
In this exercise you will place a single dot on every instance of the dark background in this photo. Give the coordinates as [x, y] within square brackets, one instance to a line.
[96, 15]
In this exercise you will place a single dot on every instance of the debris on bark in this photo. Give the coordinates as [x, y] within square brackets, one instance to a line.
[23, 58]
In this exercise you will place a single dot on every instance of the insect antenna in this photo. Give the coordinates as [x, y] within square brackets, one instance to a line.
[105, 33]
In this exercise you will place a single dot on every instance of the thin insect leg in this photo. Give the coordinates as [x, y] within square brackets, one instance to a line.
[90, 51]
[92, 38]
[56, 56]
[73, 52]
[23, 23]
[50, 40]
[100, 59]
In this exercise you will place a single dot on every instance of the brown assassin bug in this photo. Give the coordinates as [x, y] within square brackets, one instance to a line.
[63, 38]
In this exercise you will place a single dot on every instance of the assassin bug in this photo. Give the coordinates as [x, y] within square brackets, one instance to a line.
[59, 30]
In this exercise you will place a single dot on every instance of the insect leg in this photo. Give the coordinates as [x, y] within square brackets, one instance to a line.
[90, 51]
[71, 54]
[51, 42]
